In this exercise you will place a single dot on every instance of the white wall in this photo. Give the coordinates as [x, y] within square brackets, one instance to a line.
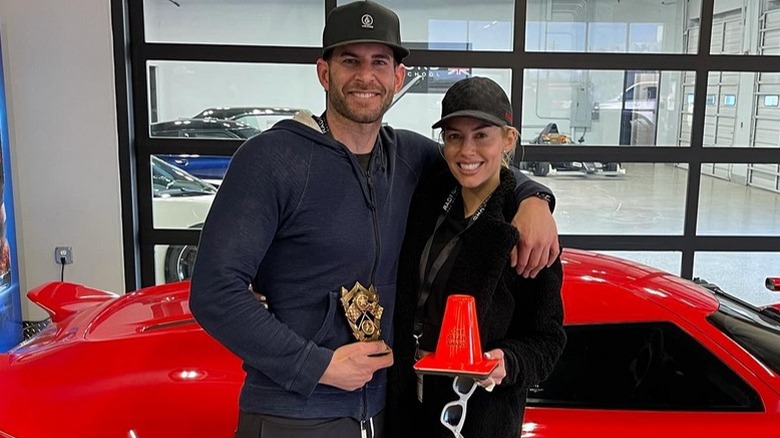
[58, 61]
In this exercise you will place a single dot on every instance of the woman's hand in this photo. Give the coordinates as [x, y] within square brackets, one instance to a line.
[498, 374]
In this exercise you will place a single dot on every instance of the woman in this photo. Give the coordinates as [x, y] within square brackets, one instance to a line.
[458, 240]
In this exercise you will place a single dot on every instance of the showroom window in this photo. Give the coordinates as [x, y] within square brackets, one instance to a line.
[239, 22]
[607, 107]
[607, 27]
[656, 124]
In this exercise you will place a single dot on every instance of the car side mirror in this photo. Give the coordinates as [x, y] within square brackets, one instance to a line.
[773, 283]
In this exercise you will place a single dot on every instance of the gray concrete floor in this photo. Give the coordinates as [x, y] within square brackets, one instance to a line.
[650, 200]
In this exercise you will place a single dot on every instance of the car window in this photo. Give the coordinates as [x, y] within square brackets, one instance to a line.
[246, 132]
[170, 181]
[159, 133]
[647, 366]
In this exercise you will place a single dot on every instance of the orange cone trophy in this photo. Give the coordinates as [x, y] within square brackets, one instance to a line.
[459, 350]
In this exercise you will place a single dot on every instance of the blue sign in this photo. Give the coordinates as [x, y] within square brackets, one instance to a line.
[10, 298]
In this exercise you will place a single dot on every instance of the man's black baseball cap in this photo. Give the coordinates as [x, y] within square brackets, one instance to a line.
[362, 22]
[476, 97]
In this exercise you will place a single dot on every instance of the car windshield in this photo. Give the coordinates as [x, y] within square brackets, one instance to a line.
[246, 132]
[170, 181]
[756, 330]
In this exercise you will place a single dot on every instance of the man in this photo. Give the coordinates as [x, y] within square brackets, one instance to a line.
[312, 214]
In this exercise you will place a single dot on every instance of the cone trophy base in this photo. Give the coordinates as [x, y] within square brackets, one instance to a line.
[458, 350]
[477, 371]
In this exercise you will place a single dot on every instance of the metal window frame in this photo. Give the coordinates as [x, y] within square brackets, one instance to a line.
[131, 53]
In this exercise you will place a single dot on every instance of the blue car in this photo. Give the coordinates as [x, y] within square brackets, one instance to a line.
[211, 168]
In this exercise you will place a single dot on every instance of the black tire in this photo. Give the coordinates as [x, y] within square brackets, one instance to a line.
[542, 169]
[179, 261]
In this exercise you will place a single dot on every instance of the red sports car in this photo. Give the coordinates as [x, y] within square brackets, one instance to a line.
[648, 355]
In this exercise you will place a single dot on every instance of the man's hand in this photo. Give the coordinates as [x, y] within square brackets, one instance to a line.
[353, 365]
[538, 245]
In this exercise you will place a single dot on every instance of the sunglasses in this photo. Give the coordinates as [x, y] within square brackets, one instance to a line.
[454, 413]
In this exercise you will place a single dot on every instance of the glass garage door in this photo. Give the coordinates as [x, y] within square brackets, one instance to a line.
[766, 117]
[722, 88]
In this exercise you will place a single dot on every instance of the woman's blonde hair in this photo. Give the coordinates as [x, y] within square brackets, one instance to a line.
[510, 154]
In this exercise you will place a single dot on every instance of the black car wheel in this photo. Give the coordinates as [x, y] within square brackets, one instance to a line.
[179, 261]
[542, 169]
[611, 167]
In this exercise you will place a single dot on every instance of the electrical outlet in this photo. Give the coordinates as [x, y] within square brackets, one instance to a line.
[63, 252]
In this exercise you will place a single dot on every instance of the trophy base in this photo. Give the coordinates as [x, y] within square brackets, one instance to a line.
[478, 371]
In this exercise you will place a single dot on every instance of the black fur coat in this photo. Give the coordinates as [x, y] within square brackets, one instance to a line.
[521, 316]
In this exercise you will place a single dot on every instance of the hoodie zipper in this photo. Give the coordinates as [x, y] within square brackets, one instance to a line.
[375, 222]
[323, 123]
[377, 244]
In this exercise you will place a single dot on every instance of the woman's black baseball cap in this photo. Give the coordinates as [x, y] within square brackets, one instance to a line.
[363, 22]
[478, 98]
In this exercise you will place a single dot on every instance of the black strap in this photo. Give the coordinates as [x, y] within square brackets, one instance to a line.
[426, 281]
[323, 123]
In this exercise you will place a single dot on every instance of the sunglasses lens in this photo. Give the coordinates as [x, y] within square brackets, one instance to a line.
[452, 414]
[463, 385]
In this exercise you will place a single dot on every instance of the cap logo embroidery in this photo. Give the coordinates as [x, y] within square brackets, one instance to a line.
[368, 21]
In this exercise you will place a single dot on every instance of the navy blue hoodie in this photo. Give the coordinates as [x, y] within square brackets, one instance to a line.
[298, 218]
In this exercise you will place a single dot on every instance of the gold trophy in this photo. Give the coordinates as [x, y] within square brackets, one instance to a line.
[363, 311]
